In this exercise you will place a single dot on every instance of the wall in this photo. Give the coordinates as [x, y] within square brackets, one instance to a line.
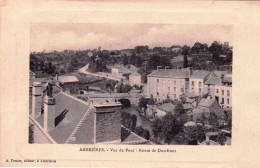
[166, 86]
[108, 125]
[225, 88]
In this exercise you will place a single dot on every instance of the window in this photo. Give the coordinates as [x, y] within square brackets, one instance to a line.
[216, 90]
[157, 81]
[192, 89]
[182, 90]
[199, 90]
[174, 89]
[174, 96]
[227, 101]
[222, 102]
[157, 93]
[192, 83]
[174, 82]
[199, 84]
[228, 93]
[222, 92]
[169, 88]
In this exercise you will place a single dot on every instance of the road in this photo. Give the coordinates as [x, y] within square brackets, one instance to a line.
[84, 69]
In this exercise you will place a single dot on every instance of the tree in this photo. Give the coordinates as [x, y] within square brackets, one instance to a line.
[157, 128]
[216, 50]
[181, 138]
[213, 119]
[185, 61]
[143, 104]
[185, 50]
[222, 138]
[125, 60]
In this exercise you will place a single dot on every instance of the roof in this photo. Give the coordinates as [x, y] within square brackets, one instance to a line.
[67, 79]
[167, 107]
[228, 141]
[191, 94]
[200, 110]
[73, 110]
[41, 80]
[199, 74]
[129, 137]
[31, 73]
[207, 102]
[213, 81]
[219, 73]
[170, 73]
[189, 100]
[187, 106]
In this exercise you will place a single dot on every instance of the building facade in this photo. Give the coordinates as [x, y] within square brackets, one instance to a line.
[170, 83]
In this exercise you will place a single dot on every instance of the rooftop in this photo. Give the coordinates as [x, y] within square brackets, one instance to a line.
[68, 79]
[199, 74]
[170, 73]
[70, 110]
[167, 107]
[129, 137]
[213, 81]
[207, 102]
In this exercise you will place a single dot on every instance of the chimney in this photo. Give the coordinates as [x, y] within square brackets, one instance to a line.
[49, 110]
[190, 71]
[36, 99]
[166, 68]
[222, 77]
[107, 125]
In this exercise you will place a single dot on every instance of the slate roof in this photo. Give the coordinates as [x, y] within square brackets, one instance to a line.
[187, 106]
[170, 73]
[74, 110]
[213, 81]
[189, 100]
[199, 74]
[129, 137]
[67, 79]
[219, 73]
[167, 107]
[207, 102]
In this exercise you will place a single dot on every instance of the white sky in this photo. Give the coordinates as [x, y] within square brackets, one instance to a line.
[59, 37]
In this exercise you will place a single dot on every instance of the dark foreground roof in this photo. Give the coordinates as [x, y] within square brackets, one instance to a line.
[70, 110]
[129, 137]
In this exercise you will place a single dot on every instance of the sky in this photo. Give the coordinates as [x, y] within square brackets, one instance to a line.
[59, 37]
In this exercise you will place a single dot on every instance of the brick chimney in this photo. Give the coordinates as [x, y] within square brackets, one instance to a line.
[36, 99]
[49, 110]
[107, 123]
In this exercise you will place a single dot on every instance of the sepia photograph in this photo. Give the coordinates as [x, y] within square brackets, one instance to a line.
[130, 84]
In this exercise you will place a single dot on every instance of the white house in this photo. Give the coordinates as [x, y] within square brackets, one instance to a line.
[135, 79]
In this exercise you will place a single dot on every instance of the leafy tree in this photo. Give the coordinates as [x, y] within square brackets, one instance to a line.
[185, 50]
[143, 104]
[157, 128]
[216, 50]
[185, 61]
[181, 138]
[125, 60]
[221, 138]
[213, 119]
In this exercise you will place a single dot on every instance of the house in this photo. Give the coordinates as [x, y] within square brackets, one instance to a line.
[205, 106]
[164, 83]
[223, 92]
[68, 120]
[196, 82]
[135, 79]
[210, 84]
[163, 109]
[69, 83]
